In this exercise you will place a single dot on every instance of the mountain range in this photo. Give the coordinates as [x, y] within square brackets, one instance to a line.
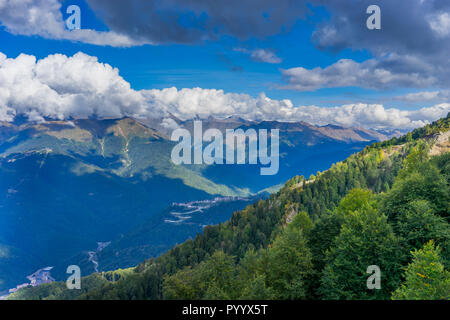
[67, 185]
[386, 206]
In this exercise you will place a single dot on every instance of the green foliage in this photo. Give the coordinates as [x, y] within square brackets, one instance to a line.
[366, 238]
[326, 229]
[354, 201]
[437, 126]
[258, 290]
[418, 181]
[302, 221]
[59, 291]
[277, 272]
[286, 265]
[426, 277]
[416, 159]
[418, 225]
[211, 279]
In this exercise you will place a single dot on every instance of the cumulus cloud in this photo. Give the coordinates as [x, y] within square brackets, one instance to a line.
[374, 116]
[44, 18]
[197, 102]
[373, 74]
[425, 96]
[410, 50]
[261, 55]
[61, 87]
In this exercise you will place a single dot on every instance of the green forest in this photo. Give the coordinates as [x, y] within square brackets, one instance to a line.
[387, 206]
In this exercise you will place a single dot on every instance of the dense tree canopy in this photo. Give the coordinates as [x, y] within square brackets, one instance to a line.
[426, 276]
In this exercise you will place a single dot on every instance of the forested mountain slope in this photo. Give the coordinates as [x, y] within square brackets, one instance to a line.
[67, 185]
[387, 206]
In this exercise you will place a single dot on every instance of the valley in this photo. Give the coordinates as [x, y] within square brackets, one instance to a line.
[67, 185]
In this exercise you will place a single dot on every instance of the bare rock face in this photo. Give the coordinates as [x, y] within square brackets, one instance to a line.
[442, 144]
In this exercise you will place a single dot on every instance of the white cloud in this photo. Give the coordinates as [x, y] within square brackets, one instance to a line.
[419, 96]
[169, 124]
[44, 18]
[373, 115]
[372, 73]
[261, 55]
[440, 23]
[265, 56]
[425, 96]
[64, 87]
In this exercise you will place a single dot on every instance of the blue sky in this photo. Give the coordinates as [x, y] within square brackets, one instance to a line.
[206, 65]
[203, 51]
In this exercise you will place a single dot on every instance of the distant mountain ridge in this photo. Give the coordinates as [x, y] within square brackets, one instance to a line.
[332, 131]
[99, 127]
